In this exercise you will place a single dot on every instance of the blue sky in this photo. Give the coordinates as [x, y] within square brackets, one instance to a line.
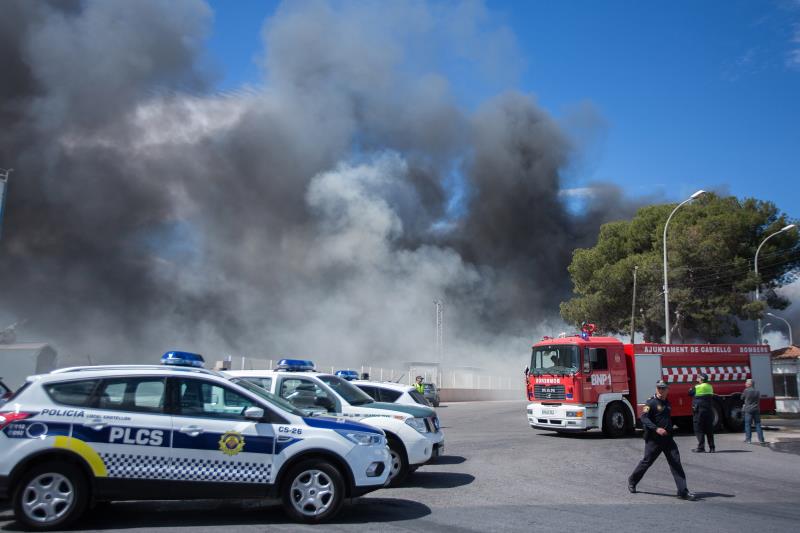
[689, 94]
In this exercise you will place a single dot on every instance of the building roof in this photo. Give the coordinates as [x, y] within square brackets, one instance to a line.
[787, 352]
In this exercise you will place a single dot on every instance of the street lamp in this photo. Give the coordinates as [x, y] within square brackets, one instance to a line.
[666, 285]
[761, 332]
[791, 342]
[758, 282]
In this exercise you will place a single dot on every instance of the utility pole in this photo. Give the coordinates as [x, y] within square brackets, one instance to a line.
[633, 306]
[4, 172]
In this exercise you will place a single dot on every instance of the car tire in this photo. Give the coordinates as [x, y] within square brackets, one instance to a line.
[313, 491]
[398, 462]
[50, 496]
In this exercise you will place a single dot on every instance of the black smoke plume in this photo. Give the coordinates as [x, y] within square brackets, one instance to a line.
[319, 213]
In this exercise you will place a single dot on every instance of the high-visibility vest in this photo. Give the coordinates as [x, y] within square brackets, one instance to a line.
[420, 387]
[703, 389]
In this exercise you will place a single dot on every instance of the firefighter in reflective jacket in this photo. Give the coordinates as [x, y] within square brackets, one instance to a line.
[657, 423]
[703, 413]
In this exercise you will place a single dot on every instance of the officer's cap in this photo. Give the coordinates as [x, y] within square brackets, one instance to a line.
[661, 384]
[703, 376]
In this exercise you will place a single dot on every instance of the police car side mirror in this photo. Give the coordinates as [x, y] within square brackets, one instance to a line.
[254, 413]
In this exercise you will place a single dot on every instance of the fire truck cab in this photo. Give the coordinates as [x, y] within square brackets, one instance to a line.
[580, 382]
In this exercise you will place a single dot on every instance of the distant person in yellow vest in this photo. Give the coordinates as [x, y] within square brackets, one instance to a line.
[419, 386]
[703, 413]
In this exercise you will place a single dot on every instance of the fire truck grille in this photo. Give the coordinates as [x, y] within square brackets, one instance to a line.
[548, 392]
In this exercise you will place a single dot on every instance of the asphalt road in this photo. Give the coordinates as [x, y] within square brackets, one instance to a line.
[500, 475]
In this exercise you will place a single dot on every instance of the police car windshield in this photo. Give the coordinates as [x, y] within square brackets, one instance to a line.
[558, 359]
[268, 396]
[352, 394]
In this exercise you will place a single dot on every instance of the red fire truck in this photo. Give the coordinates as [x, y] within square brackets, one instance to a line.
[581, 382]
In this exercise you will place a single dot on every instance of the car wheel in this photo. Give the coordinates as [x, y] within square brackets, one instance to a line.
[398, 463]
[615, 423]
[313, 491]
[50, 496]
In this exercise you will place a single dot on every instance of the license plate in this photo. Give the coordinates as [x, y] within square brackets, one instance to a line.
[548, 411]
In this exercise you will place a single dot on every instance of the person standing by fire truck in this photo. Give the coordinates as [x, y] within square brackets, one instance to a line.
[703, 413]
[657, 423]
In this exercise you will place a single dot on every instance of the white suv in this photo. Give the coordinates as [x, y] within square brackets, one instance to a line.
[412, 432]
[387, 391]
[77, 436]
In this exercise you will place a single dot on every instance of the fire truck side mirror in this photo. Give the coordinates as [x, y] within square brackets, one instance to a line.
[527, 370]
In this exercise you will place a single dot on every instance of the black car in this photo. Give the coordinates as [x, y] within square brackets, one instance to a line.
[431, 393]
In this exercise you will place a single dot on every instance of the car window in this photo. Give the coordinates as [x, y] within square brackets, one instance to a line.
[351, 394]
[74, 393]
[273, 399]
[139, 394]
[429, 387]
[210, 400]
[264, 383]
[390, 395]
[305, 394]
[372, 391]
[417, 397]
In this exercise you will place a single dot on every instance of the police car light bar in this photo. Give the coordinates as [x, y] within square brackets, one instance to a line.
[346, 374]
[295, 365]
[183, 359]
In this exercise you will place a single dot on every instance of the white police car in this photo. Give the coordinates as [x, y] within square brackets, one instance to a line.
[390, 392]
[82, 435]
[412, 432]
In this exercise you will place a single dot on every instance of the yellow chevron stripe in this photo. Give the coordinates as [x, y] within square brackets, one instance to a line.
[84, 450]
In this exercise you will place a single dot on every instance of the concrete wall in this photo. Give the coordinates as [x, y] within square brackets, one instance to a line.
[468, 395]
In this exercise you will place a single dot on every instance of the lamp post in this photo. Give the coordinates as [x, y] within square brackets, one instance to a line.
[666, 285]
[755, 263]
[761, 332]
[791, 342]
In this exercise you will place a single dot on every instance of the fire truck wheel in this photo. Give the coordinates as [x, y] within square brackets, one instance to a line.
[719, 419]
[615, 421]
[734, 416]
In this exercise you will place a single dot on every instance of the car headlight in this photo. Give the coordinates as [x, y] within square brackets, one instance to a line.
[362, 439]
[418, 424]
[575, 414]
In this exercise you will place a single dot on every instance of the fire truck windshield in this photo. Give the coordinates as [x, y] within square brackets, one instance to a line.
[559, 359]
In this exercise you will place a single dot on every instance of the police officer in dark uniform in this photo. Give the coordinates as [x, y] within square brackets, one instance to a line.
[703, 413]
[657, 424]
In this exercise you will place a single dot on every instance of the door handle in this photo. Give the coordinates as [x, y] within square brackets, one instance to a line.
[284, 438]
[96, 424]
[192, 431]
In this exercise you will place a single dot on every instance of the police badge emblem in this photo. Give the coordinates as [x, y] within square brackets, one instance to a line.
[660, 408]
[231, 443]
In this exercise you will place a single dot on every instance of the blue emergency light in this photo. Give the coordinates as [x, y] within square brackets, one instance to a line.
[295, 365]
[349, 375]
[183, 359]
